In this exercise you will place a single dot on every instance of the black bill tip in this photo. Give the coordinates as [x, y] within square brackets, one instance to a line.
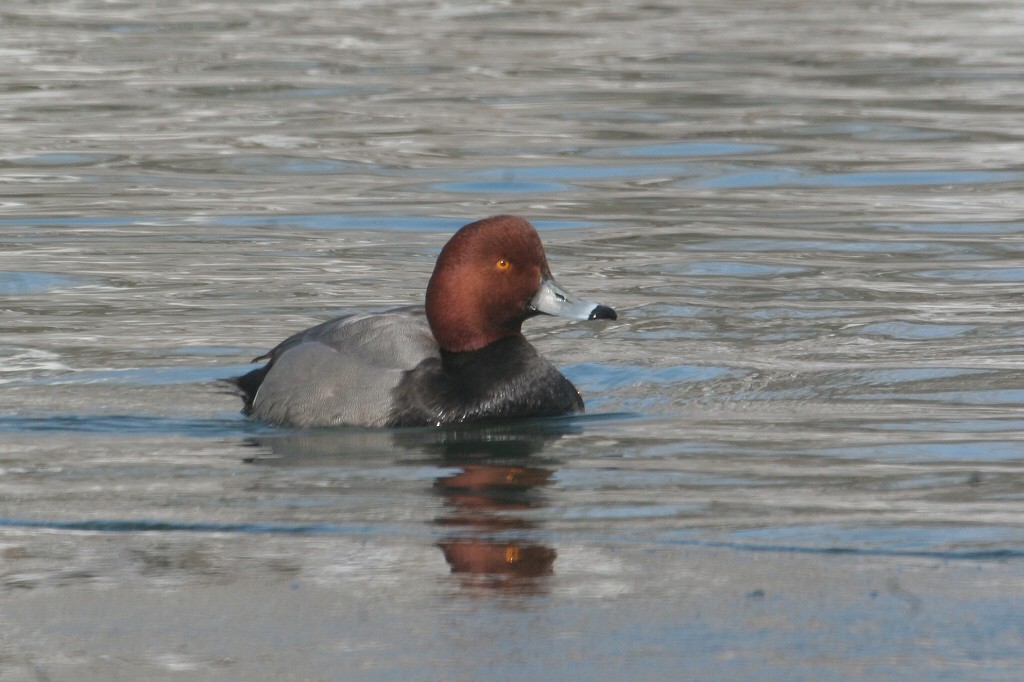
[602, 312]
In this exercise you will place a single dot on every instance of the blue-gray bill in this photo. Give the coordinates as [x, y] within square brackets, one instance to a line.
[552, 299]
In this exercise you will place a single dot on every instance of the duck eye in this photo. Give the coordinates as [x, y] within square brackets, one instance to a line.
[503, 264]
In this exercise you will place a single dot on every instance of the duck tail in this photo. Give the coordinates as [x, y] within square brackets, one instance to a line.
[246, 386]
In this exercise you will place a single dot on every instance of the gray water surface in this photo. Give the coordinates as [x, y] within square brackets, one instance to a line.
[802, 458]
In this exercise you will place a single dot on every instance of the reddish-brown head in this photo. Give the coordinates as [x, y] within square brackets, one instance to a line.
[483, 282]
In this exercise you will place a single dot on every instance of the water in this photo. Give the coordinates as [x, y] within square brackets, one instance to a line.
[802, 454]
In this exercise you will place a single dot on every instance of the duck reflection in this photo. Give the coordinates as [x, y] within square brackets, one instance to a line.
[490, 503]
[492, 490]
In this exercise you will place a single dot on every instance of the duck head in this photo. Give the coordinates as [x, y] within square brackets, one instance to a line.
[490, 277]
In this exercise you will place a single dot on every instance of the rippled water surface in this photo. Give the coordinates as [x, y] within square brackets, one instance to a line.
[802, 458]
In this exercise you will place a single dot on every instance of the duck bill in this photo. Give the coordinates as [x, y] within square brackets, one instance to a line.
[552, 299]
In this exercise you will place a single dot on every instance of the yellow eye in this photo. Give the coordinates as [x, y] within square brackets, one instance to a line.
[503, 264]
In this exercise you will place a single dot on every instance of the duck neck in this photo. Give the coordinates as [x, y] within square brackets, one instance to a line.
[462, 329]
[496, 355]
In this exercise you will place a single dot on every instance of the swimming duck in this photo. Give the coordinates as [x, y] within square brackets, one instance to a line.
[460, 358]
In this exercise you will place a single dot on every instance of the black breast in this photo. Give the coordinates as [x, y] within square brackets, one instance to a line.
[505, 380]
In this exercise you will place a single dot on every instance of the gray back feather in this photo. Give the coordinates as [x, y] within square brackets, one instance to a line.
[343, 371]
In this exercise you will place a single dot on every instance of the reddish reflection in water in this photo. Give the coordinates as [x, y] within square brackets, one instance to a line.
[493, 489]
[488, 502]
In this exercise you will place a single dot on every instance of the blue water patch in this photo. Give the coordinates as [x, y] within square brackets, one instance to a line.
[1010, 550]
[912, 331]
[992, 397]
[599, 377]
[966, 451]
[128, 425]
[945, 541]
[910, 537]
[915, 178]
[61, 159]
[147, 525]
[581, 173]
[14, 282]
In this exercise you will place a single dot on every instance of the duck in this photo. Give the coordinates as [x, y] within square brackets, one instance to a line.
[459, 358]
